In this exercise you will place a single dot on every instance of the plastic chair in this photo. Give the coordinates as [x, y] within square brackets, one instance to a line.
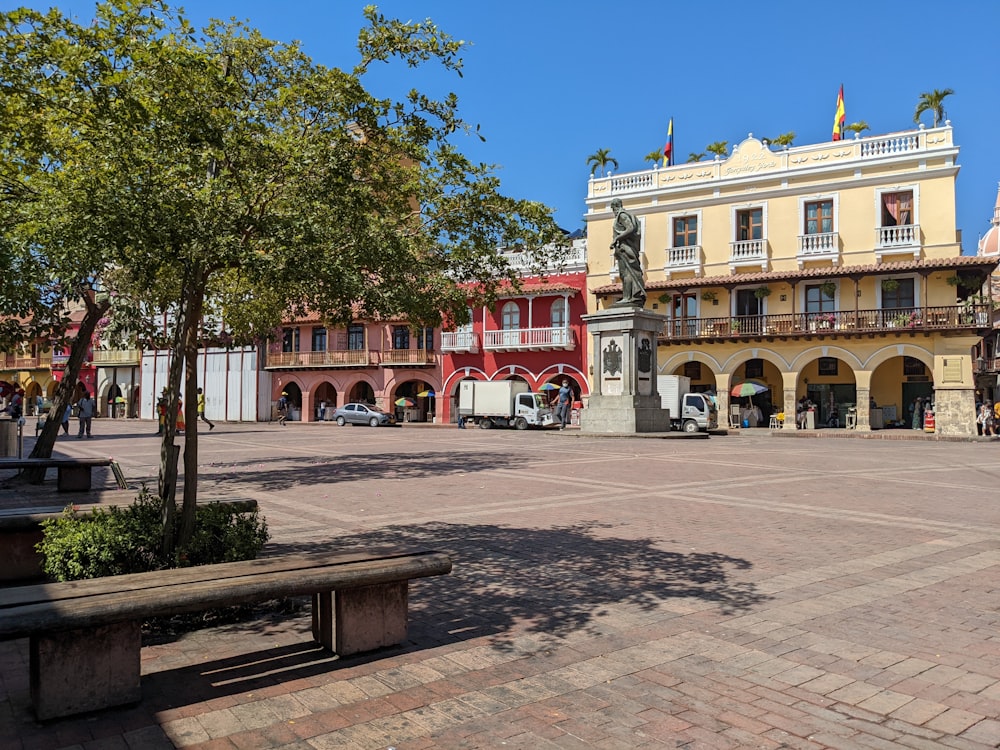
[777, 422]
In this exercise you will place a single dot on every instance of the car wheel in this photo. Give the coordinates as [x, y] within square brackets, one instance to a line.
[485, 423]
[520, 423]
[690, 426]
[373, 422]
[341, 421]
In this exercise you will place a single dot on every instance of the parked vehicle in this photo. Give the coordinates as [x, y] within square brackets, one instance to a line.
[691, 412]
[503, 403]
[363, 414]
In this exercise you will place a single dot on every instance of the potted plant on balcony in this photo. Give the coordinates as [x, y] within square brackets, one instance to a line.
[889, 285]
[709, 296]
[828, 288]
[822, 321]
[735, 325]
[761, 292]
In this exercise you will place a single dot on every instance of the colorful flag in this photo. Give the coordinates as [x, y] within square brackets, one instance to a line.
[668, 149]
[839, 117]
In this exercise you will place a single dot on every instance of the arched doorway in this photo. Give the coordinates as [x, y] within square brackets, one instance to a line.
[831, 387]
[325, 398]
[410, 405]
[294, 395]
[361, 393]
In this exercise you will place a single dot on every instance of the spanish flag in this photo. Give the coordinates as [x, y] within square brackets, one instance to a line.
[668, 149]
[839, 117]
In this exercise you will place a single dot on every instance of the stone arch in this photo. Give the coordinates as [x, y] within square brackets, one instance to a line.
[803, 358]
[463, 374]
[510, 371]
[737, 358]
[672, 363]
[886, 353]
[568, 370]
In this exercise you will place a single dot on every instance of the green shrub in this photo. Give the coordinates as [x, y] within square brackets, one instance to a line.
[117, 540]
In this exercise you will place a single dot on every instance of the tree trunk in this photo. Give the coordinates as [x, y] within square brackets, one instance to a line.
[169, 452]
[192, 327]
[64, 393]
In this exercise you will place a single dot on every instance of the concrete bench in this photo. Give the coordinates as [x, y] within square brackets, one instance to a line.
[85, 636]
[73, 474]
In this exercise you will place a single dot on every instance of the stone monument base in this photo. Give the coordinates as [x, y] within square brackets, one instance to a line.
[613, 414]
[624, 398]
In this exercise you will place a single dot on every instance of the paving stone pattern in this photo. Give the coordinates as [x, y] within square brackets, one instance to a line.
[739, 592]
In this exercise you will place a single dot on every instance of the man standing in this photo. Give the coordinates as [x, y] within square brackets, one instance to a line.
[563, 403]
[626, 243]
[86, 407]
[201, 410]
[283, 408]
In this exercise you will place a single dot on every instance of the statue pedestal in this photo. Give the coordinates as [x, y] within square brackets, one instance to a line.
[623, 360]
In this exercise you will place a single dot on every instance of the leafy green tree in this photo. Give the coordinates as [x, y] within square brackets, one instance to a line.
[933, 102]
[693, 157]
[600, 160]
[719, 148]
[653, 157]
[216, 173]
[858, 127]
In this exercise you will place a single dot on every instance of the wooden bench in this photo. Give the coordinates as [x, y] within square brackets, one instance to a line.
[73, 474]
[85, 636]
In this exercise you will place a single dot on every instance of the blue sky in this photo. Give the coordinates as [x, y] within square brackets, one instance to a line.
[551, 81]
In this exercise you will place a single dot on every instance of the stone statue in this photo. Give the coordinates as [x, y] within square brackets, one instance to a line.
[625, 232]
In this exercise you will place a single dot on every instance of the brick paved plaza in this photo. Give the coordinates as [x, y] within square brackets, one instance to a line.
[744, 591]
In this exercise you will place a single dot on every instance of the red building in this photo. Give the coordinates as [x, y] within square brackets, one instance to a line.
[535, 334]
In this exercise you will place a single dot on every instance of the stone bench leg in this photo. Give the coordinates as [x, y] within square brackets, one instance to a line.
[84, 670]
[360, 619]
[73, 479]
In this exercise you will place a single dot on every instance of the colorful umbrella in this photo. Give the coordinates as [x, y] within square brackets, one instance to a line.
[748, 388]
[548, 387]
[404, 402]
[426, 394]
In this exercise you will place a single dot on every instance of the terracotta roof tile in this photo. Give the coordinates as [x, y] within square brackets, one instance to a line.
[739, 279]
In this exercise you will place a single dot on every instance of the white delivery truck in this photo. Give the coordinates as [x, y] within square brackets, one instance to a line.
[690, 412]
[502, 403]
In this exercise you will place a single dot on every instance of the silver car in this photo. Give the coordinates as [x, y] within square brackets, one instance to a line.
[363, 414]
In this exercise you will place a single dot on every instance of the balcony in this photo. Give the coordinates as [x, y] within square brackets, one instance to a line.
[407, 358]
[910, 320]
[461, 342]
[824, 246]
[683, 259]
[330, 358]
[748, 253]
[575, 259]
[529, 339]
[114, 357]
[898, 240]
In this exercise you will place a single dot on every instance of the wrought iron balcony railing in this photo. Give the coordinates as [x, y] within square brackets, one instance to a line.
[902, 320]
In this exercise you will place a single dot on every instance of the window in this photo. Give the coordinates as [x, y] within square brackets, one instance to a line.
[754, 368]
[817, 300]
[827, 365]
[400, 337]
[355, 337]
[819, 217]
[901, 296]
[686, 231]
[897, 209]
[750, 224]
[510, 317]
[290, 340]
[912, 366]
[425, 339]
[557, 314]
[319, 340]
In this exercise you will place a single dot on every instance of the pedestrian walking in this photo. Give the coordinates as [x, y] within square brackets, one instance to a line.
[67, 410]
[86, 407]
[201, 411]
[283, 408]
[563, 402]
[161, 411]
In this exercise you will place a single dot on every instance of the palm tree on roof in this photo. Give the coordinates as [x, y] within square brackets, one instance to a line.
[719, 148]
[653, 157]
[933, 102]
[600, 160]
[693, 157]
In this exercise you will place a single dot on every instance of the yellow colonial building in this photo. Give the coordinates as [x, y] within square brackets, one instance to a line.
[832, 272]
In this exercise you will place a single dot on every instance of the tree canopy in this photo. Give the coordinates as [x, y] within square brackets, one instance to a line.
[191, 172]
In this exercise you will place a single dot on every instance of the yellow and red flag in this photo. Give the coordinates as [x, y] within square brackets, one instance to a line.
[839, 117]
[668, 149]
